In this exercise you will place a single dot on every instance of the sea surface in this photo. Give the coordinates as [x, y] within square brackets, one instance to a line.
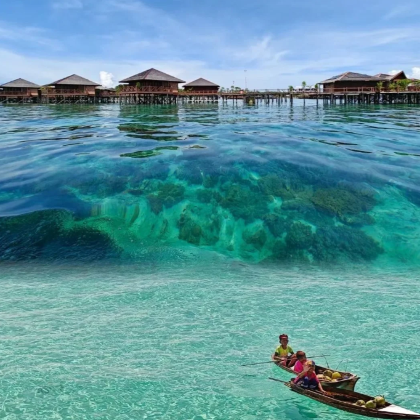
[147, 252]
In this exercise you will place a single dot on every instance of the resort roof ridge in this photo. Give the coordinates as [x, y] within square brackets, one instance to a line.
[353, 76]
[20, 83]
[391, 76]
[74, 79]
[201, 82]
[152, 74]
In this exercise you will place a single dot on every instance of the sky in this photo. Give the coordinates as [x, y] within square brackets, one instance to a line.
[254, 44]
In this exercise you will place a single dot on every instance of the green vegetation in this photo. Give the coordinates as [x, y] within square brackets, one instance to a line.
[403, 84]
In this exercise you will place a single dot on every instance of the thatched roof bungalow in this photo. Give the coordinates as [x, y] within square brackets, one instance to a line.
[392, 77]
[19, 88]
[72, 85]
[201, 86]
[151, 81]
[352, 82]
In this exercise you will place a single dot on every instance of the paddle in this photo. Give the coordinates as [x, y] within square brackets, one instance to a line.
[274, 361]
[278, 380]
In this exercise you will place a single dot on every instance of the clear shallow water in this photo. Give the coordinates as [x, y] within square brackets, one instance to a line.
[151, 341]
[146, 252]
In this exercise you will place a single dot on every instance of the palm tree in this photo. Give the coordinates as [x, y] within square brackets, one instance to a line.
[379, 86]
[291, 88]
[403, 84]
[303, 85]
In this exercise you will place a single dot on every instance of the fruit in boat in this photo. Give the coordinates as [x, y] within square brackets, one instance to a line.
[327, 379]
[334, 380]
[380, 401]
[371, 404]
[360, 402]
[328, 373]
[336, 375]
[320, 376]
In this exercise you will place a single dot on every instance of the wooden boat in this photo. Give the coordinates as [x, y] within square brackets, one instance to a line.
[344, 399]
[348, 380]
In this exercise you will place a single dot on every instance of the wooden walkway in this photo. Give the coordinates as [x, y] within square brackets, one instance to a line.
[262, 96]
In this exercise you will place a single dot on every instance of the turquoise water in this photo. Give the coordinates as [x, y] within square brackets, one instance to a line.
[147, 252]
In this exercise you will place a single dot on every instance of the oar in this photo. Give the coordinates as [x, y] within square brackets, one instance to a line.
[274, 361]
[278, 380]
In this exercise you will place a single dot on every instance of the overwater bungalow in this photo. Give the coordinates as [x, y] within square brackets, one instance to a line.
[201, 86]
[19, 90]
[352, 82]
[151, 81]
[73, 88]
[105, 94]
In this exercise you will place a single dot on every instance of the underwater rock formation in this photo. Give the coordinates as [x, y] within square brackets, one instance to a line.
[340, 202]
[199, 225]
[244, 203]
[52, 234]
[342, 243]
[255, 236]
[167, 195]
[299, 236]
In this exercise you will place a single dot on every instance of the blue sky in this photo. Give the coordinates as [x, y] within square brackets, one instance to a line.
[279, 43]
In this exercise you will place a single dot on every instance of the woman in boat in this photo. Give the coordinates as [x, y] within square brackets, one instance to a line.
[283, 352]
[300, 361]
[307, 378]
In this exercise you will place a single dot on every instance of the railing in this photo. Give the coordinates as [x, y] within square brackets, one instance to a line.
[18, 93]
[351, 90]
[67, 92]
[199, 92]
[147, 89]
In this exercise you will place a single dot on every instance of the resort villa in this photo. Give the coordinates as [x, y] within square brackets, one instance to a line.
[151, 81]
[73, 85]
[19, 89]
[201, 86]
[357, 82]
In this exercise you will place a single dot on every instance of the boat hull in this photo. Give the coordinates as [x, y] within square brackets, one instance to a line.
[343, 399]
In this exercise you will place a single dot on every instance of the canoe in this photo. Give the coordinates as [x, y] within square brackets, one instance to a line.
[348, 380]
[344, 399]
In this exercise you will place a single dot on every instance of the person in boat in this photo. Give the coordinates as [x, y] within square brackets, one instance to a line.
[283, 352]
[300, 361]
[307, 378]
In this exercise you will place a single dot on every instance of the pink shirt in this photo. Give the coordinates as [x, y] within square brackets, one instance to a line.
[298, 367]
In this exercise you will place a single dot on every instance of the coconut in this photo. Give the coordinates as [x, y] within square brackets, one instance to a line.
[371, 404]
[380, 401]
[328, 373]
[360, 402]
[336, 375]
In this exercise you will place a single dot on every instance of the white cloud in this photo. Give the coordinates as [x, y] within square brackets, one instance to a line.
[393, 72]
[107, 79]
[67, 4]
[415, 73]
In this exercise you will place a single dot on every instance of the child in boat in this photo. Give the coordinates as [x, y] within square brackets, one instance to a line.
[307, 378]
[300, 361]
[283, 351]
